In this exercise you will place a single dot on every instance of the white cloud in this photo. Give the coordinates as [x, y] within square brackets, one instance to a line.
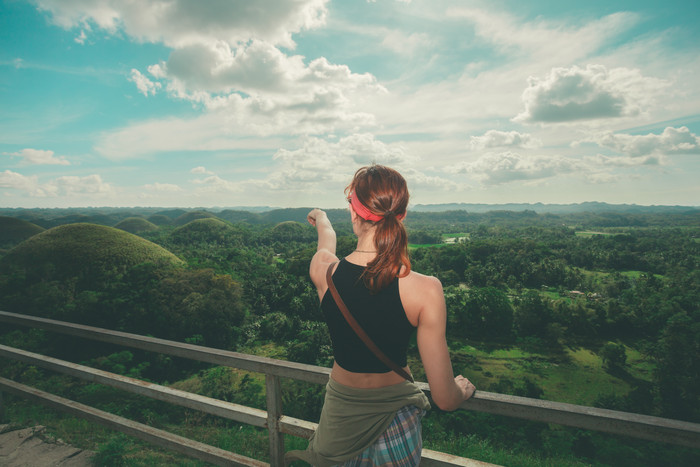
[496, 138]
[320, 165]
[405, 44]
[201, 170]
[144, 85]
[216, 184]
[238, 124]
[177, 23]
[90, 184]
[17, 181]
[200, 71]
[38, 157]
[324, 157]
[80, 39]
[600, 160]
[545, 42]
[225, 57]
[163, 187]
[671, 141]
[62, 186]
[497, 168]
[571, 94]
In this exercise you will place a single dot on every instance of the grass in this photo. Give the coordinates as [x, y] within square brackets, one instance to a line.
[601, 276]
[639, 274]
[591, 233]
[413, 246]
[473, 447]
[575, 376]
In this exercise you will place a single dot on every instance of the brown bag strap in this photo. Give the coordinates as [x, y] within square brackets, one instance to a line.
[358, 329]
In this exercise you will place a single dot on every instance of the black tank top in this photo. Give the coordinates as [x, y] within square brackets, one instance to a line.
[381, 315]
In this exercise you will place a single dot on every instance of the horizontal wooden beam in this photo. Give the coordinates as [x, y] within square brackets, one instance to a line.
[152, 435]
[589, 418]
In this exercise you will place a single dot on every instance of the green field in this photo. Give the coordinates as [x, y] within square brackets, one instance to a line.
[576, 376]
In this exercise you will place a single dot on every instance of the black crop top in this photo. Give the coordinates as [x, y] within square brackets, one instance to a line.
[381, 316]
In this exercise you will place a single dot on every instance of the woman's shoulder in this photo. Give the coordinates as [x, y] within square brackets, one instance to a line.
[420, 285]
[418, 279]
[418, 293]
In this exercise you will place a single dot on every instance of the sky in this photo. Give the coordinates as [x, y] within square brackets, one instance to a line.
[223, 103]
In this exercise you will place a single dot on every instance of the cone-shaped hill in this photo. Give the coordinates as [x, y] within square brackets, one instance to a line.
[136, 224]
[160, 219]
[14, 231]
[292, 231]
[208, 230]
[83, 250]
[191, 216]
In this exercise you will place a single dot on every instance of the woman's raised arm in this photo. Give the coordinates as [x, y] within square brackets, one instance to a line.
[325, 250]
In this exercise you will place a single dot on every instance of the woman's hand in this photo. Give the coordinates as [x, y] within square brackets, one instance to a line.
[313, 215]
[465, 386]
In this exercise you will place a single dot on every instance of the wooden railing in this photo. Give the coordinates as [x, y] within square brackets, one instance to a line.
[278, 424]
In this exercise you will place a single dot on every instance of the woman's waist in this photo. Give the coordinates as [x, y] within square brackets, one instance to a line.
[365, 380]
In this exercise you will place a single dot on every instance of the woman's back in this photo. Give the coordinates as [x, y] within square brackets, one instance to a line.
[381, 315]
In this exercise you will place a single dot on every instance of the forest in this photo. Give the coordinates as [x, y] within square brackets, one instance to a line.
[597, 308]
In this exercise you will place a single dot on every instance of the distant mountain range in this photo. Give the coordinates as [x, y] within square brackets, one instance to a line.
[106, 215]
[541, 208]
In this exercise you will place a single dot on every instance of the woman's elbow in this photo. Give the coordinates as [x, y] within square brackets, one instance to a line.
[448, 404]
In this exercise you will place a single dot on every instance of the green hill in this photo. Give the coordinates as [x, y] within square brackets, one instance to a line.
[239, 216]
[191, 216]
[171, 213]
[209, 230]
[83, 250]
[160, 219]
[14, 231]
[136, 224]
[292, 231]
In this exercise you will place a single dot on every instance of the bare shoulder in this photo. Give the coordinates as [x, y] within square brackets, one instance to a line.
[418, 293]
[421, 283]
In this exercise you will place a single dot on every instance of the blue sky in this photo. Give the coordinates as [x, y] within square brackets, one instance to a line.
[240, 103]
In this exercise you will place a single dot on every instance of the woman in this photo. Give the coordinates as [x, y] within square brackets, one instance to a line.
[371, 414]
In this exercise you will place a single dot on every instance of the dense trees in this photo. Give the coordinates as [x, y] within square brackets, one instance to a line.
[483, 314]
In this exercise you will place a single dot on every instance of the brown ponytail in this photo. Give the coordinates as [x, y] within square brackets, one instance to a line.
[384, 193]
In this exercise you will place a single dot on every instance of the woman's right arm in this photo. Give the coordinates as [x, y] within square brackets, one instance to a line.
[325, 250]
[447, 391]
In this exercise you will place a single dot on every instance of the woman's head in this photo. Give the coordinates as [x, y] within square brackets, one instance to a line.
[379, 197]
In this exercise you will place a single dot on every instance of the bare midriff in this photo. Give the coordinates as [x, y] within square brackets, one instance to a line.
[365, 380]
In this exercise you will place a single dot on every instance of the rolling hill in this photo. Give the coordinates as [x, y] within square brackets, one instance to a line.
[83, 249]
[13, 231]
[135, 225]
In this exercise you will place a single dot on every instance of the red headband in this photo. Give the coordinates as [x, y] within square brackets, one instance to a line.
[364, 212]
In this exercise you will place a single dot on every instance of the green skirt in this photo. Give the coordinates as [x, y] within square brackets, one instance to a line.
[352, 419]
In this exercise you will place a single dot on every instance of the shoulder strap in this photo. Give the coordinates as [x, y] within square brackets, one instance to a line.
[358, 329]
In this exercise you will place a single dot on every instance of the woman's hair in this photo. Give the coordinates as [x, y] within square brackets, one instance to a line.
[384, 193]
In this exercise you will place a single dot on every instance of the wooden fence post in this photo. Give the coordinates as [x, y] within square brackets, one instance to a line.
[274, 412]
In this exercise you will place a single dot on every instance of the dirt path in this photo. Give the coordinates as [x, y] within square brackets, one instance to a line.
[28, 447]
